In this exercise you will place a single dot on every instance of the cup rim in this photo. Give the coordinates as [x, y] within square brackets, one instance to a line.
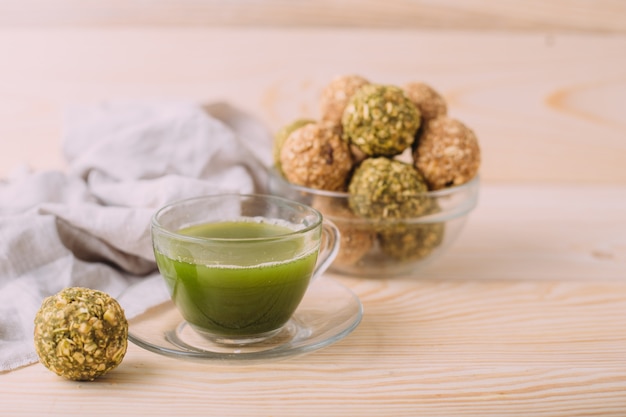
[166, 231]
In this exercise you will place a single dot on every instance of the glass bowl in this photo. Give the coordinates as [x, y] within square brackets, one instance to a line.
[389, 247]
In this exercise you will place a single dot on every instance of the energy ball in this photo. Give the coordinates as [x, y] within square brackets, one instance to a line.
[356, 237]
[281, 136]
[80, 333]
[315, 156]
[415, 243]
[429, 102]
[383, 188]
[447, 153]
[380, 120]
[412, 241]
[335, 96]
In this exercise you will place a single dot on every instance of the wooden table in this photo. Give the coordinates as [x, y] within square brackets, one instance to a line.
[526, 315]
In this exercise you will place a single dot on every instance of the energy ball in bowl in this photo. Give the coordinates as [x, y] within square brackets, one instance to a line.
[400, 243]
[357, 237]
[80, 333]
[380, 120]
[429, 102]
[335, 96]
[383, 188]
[447, 153]
[416, 243]
[281, 136]
[412, 240]
[315, 156]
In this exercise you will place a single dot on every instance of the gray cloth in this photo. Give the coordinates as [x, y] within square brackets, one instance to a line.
[89, 225]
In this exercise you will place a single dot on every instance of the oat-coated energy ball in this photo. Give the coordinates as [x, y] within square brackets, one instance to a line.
[315, 156]
[429, 102]
[80, 333]
[380, 120]
[383, 188]
[412, 241]
[356, 237]
[415, 243]
[281, 136]
[335, 96]
[447, 153]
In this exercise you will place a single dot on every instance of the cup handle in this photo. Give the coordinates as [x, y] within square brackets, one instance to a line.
[329, 247]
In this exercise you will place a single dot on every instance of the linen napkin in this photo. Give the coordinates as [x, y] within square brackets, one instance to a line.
[89, 225]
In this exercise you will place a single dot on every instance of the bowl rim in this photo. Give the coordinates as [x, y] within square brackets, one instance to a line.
[274, 173]
[471, 187]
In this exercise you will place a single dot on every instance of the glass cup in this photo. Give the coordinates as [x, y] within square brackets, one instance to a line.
[237, 266]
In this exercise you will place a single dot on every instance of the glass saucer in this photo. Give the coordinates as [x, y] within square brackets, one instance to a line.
[328, 312]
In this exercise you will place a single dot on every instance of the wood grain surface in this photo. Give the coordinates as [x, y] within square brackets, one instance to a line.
[521, 318]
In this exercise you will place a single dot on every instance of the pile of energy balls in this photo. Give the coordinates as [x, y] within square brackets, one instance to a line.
[386, 147]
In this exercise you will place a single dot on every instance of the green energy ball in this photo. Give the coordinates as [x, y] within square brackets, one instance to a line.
[447, 153]
[409, 241]
[335, 96]
[80, 333]
[380, 120]
[315, 156]
[281, 136]
[412, 244]
[428, 101]
[383, 188]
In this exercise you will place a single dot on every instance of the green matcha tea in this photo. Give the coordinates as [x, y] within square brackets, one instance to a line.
[238, 287]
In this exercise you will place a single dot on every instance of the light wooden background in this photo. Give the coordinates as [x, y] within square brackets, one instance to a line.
[545, 107]
[280, 53]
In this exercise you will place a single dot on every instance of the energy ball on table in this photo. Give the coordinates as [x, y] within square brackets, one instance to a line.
[428, 101]
[447, 153]
[80, 333]
[356, 238]
[335, 96]
[380, 120]
[315, 156]
[281, 136]
[383, 188]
